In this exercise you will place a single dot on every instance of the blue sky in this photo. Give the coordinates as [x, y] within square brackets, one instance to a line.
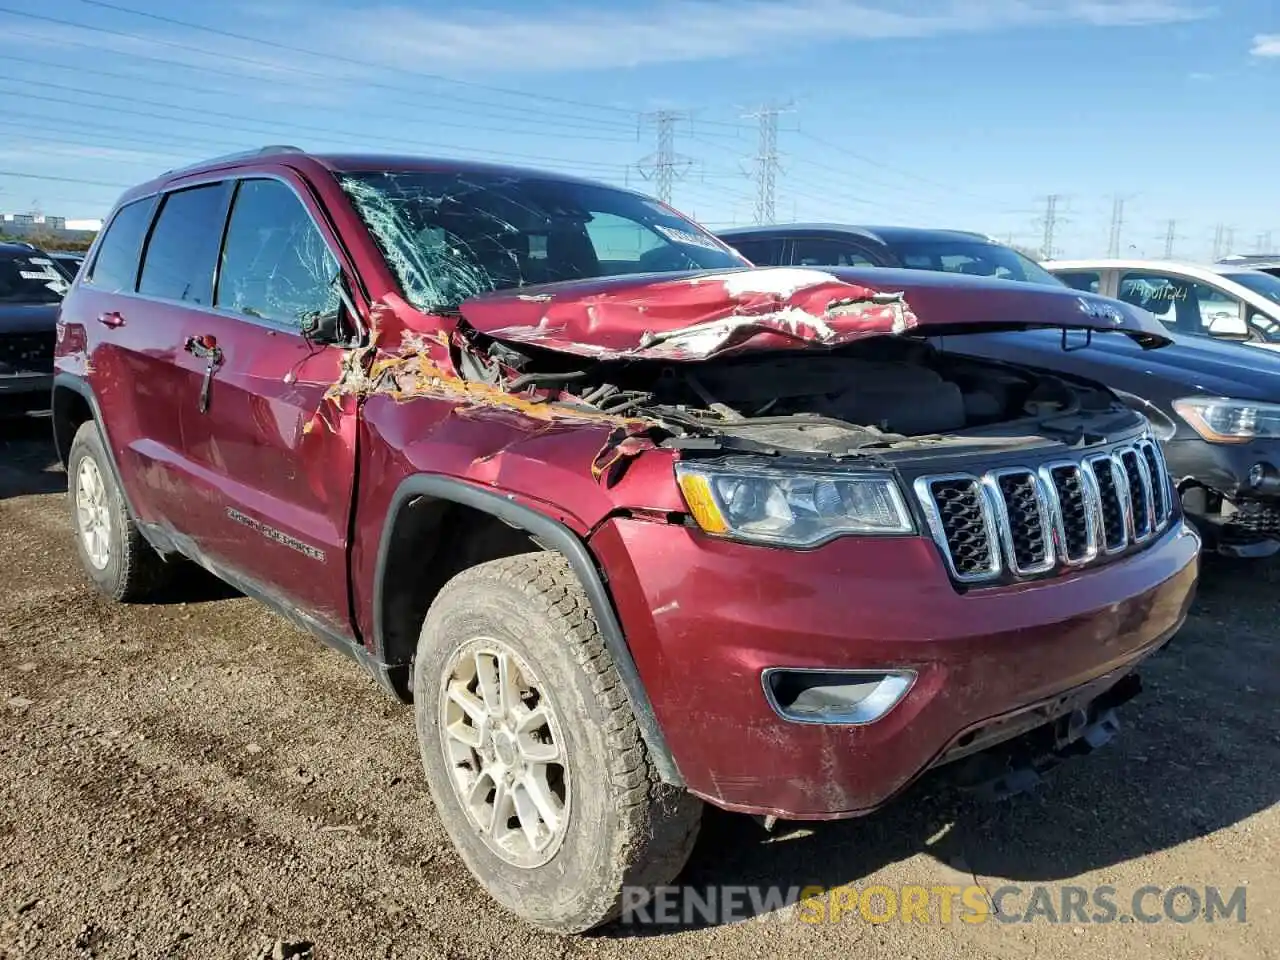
[962, 113]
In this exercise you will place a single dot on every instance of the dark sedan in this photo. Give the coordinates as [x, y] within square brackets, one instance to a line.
[1215, 405]
[31, 291]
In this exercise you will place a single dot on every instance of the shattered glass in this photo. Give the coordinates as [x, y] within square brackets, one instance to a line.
[275, 263]
[450, 236]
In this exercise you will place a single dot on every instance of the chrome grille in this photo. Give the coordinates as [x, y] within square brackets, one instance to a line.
[1023, 522]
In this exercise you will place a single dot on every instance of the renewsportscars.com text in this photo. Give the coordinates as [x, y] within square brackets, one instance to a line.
[934, 904]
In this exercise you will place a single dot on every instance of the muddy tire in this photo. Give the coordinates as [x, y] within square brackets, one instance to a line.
[117, 559]
[531, 750]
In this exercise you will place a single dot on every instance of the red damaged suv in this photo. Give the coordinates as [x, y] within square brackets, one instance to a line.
[633, 525]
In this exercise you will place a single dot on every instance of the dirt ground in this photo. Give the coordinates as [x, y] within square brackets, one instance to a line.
[195, 778]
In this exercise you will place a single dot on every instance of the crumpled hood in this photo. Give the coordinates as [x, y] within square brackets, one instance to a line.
[696, 316]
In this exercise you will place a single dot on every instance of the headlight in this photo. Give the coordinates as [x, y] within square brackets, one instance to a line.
[792, 507]
[1219, 420]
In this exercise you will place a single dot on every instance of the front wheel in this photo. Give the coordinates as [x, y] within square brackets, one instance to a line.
[531, 751]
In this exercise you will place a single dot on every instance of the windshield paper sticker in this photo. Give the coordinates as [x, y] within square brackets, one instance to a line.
[687, 238]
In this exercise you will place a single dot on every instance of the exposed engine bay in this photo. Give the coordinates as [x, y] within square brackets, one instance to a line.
[881, 394]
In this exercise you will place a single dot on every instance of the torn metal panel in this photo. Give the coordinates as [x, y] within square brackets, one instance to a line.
[693, 318]
[421, 367]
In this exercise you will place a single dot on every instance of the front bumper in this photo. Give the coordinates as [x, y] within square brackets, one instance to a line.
[1235, 516]
[25, 384]
[705, 618]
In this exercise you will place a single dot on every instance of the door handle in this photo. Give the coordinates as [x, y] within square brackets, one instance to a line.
[205, 347]
[111, 319]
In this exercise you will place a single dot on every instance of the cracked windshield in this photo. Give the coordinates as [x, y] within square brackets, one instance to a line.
[451, 236]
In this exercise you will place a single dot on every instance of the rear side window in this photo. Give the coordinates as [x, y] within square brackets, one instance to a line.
[115, 267]
[825, 252]
[178, 264]
[1088, 282]
[275, 264]
[762, 252]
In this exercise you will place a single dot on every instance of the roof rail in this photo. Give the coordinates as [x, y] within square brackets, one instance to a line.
[241, 155]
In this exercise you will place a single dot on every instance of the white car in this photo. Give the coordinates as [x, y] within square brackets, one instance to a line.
[1224, 301]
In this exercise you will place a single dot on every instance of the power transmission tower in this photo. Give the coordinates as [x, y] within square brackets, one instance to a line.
[766, 161]
[1051, 220]
[1218, 234]
[1264, 242]
[1170, 236]
[1228, 241]
[1117, 226]
[664, 166]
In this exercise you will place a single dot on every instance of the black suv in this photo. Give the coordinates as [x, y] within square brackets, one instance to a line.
[31, 291]
[838, 245]
[1215, 405]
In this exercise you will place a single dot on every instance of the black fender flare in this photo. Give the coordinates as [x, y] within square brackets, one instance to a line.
[552, 535]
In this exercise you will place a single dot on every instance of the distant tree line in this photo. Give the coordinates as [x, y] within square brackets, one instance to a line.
[48, 240]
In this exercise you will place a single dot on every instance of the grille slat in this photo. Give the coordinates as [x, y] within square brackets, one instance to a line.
[1023, 522]
[963, 521]
[1138, 483]
[1075, 503]
[1023, 519]
[1159, 473]
[1113, 503]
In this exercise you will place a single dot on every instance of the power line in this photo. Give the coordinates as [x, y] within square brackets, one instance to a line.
[1117, 226]
[664, 165]
[766, 161]
[363, 64]
[1050, 222]
[1221, 246]
[275, 69]
[949, 189]
[272, 127]
[370, 114]
[17, 174]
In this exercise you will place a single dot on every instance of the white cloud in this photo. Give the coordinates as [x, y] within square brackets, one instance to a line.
[581, 37]
[1266, 45]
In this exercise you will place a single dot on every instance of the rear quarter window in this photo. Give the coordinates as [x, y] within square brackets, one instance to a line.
[115, 267]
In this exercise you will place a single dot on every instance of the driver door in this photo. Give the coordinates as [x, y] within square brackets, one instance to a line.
[272, 459]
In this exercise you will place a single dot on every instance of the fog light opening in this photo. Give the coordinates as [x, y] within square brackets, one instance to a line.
[852, 697]
[1263, 478]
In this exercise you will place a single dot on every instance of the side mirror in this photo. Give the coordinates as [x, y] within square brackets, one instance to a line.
[339, 325]
[1263, 327]
[323, 327]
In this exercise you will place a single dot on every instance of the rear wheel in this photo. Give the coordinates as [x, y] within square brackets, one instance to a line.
[532, 753]
[112, 551]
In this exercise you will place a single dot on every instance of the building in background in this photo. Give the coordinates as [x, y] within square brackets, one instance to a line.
[53, 233]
